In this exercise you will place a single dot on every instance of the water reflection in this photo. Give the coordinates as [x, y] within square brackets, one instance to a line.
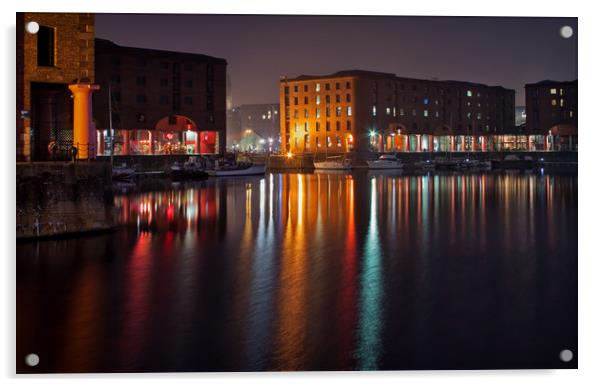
[312, 271]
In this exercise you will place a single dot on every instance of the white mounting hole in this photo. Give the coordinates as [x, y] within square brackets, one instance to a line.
[566, 355]
[32, 360]
[32, 27]
[566, 32]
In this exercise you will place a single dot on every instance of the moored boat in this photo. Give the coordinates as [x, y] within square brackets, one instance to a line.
[334, 163]
[385, 162]
[427, 165]
[192, 169]
[123, 173]
[240, 169]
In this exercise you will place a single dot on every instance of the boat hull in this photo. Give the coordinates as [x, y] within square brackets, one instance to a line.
[252, 170]
[378, 164]
[330, 165]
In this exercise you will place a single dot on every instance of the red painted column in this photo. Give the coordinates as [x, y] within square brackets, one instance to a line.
[474, 143]
[101, 144]
[484, 144]
[431, 143]
[125, 150]
[407, 145]
[463, 143]
[198, 142]
[419, 143]
[453, 143]
[151, 140]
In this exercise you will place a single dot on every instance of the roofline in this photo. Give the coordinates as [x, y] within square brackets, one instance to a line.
[108, 44]
[374, 74]
[550, 82]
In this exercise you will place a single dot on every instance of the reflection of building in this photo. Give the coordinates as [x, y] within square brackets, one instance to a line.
[60, 53]
[552, 112]
[363, 111]
[161, 101]
[258, 126]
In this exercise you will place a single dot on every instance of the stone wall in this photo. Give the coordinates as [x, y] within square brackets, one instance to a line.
[55, 199]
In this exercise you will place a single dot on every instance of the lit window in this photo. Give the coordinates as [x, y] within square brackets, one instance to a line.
[478, 116]
[348, 111]
[394, 111]
[426, 113]
[374, 111]
[561, 91]
[561, 101]
[317, 87]
[306, 113]
[437, 113]
[553, 91]
[317, 112]
[317, 99]
[468, 115]
[425, 101]
[571, 114]
[388, 111]
[401, 112]
[553, 102]
[469, 93]
[338, 111]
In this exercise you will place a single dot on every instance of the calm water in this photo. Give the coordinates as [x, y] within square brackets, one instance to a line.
[312, 272]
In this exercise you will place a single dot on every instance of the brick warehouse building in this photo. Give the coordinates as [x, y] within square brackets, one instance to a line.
[372, 111]
[551, 108]
[59, 54]
[162, 102]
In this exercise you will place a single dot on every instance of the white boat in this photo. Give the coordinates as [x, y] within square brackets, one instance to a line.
[385, 162]
[428, 165]
[238, 170]
[333, 162]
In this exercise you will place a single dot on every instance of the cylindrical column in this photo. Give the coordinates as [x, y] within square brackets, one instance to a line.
[151, 142]
[101, 142]
[198, 142]
[84, 133]
[126, 142]
[431, 143]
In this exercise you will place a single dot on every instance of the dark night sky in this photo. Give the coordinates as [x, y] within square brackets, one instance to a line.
[259, 49]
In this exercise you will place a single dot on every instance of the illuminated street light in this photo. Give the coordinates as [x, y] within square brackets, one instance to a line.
[372, 133]
[289, 155]
[32, 27]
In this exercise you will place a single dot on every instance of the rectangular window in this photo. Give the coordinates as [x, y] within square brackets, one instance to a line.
[296, 101]
[401, 112]
[328, 126]
[561, 102]
[327, 111]
[348, 125]
[414, 112]
[306, 113]
[317, 99]
[305, 88]
[327, 99]
[296, 114]
[305, 126]
[426, 113]
[337, 85]
[296, 88]
[552, 91]
[348, 111]
[317, 87]
[338, 98]
[317, 112]
[561, 91]
[553, 102]
[348, 98]
[388, 111]
[46, 45]
[348, 85]
[327, 86]
[305, 100]
[338, 125]
[469, 93]
[478, 116]
[317, 126]
[338, 111]
[373, 110]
